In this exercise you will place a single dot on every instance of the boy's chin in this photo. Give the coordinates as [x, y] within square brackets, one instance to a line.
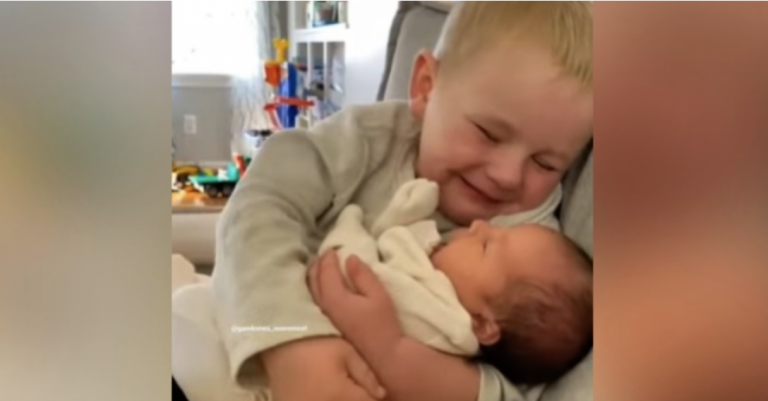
[463, 212]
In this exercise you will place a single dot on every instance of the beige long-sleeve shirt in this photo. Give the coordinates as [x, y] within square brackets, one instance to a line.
[285, 205]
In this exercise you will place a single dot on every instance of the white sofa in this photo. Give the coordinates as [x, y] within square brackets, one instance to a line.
[198, 362]
[193, 235]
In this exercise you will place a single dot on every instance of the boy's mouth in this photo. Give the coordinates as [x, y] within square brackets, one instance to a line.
[479, 193]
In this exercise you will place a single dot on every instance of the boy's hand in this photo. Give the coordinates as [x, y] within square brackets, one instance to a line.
[362, 311]
[321, 369]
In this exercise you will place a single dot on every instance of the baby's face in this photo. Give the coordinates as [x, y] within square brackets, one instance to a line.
[479, 261]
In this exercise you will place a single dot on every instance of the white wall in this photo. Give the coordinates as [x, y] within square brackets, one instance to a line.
[365, 54]
[366, 48]
[211, 106]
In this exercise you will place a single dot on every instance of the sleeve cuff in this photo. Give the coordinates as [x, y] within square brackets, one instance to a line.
[495, 387]
[244, 362]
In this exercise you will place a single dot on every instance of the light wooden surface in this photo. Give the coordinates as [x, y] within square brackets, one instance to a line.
[185, 202]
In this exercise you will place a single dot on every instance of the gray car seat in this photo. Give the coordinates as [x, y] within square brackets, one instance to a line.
[416, 26]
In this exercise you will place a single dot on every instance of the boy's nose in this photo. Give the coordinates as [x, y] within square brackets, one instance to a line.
[506, 173]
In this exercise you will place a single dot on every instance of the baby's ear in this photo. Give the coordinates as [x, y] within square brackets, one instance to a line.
[485, 328]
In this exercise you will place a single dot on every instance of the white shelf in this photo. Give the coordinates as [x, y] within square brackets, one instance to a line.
[357, 47]
[319, 46]
[330, 33]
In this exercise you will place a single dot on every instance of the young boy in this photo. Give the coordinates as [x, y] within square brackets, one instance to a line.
[496, 116]
[520, 296]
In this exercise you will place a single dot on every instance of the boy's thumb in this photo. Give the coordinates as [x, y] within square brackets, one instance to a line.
[362, 277]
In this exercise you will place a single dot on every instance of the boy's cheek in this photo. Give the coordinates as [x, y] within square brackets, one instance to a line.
[541, 185]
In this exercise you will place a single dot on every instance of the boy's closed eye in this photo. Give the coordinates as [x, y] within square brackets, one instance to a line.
[544, 164]
[486, 133]
[551, 160]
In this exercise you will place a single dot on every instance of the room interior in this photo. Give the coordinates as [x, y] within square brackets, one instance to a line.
[375, 43]
[356, 46]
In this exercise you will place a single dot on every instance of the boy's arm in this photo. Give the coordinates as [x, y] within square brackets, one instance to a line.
[262, 244]
[412, 371]
[408, 369]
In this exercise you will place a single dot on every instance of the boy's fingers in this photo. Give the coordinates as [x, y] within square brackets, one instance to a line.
[362, 374]
[356, 393]
[329, 277]
[363, 278]
[314, 284]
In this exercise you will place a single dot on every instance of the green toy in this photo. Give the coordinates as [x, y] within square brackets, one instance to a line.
[217, 186]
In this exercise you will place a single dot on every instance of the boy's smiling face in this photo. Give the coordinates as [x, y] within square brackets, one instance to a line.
[499, 131]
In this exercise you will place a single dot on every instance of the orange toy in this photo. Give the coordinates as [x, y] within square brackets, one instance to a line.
[273, 69]
[241, 164]
[271, 108]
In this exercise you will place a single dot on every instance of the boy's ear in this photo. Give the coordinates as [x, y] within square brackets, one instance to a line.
[485, 328]
[422, 82]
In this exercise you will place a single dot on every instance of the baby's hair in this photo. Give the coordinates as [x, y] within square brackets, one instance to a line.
[546, 329]
[564, 27]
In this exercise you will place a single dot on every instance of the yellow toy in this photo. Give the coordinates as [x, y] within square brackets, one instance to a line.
[281, 47]
[273, 68]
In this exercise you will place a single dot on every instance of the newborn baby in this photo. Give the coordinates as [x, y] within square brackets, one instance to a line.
[529, 292]
[519, 299]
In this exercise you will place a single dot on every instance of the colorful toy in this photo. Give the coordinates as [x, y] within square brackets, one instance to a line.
[273, 68]
[283, 79]
[180, 176]
[223, 184]
[282, 110]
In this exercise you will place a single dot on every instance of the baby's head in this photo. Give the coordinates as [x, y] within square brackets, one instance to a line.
[505, 104]
[529, 291]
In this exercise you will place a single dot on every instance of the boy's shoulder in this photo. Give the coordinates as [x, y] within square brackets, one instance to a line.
[383, 120]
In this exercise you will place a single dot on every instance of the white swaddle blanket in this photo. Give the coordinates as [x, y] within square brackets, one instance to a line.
[397, 249]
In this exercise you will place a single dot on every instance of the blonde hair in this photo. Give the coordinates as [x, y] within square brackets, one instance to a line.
[563, 26]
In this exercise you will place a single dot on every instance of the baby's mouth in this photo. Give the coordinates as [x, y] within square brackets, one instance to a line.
[439, 246]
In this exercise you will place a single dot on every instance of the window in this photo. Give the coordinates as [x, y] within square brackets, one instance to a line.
[217, 37]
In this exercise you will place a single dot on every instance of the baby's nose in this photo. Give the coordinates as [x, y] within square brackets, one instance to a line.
[459, 232]
[478, 226]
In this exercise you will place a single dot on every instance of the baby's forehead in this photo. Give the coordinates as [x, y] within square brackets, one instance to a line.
[534, 251]
[531, 237]
[530, 228]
